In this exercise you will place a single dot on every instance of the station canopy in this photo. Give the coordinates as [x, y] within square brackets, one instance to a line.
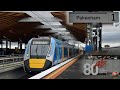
[23, 25]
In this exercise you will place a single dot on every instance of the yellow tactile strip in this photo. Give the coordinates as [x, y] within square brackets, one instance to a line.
[57, 72]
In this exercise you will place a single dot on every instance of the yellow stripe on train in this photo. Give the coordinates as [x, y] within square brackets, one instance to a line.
[37, 63]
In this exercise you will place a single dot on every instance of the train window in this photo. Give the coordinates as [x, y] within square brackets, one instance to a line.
[49, 51]
[39, 51]
[55, 55]
[65, 52]
[70, 52]
[74, 52]
[60, 52]
[58, 56]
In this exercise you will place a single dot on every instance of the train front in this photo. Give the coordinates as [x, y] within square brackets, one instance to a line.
[35, 55]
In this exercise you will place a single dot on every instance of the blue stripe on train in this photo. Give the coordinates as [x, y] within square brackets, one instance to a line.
[58, 52]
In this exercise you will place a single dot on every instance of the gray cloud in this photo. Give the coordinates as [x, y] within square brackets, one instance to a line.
[111, 35]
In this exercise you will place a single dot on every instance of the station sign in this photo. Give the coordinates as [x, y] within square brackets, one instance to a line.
[41, 42]
[93, 17]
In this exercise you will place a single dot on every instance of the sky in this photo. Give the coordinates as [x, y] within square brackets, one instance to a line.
[111, 34]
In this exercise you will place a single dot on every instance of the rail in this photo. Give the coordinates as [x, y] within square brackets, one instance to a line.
[11, 55]
[10, 60]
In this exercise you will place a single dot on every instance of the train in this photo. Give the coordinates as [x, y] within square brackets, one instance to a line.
[44, 52]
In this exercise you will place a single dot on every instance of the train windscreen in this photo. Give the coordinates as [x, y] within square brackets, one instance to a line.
[39, 49]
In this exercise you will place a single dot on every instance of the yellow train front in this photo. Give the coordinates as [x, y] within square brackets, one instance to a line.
[44, 52]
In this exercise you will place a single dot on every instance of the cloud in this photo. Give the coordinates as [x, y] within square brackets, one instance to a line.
[110, 35]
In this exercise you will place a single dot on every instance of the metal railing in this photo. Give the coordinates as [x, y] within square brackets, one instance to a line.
[9, 63]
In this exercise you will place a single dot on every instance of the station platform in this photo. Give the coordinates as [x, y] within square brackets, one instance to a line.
[75, 71]
[71, 70]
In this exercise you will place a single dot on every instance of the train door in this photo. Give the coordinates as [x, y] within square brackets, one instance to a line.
[70, 52]
[57, 54]
[55, 60]
[65, 53]
[62, 53]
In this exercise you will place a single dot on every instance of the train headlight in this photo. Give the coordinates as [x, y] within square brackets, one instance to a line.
[27, 54]
[48, 55]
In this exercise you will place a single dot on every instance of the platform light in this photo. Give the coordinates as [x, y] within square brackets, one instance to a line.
[64, 32]
[57, 31]
[69, 38]
[52, 23]
[35, 19]
[60, 29]
[27, 54]
[94, 28]
[28, 19]
[48, 26]
[43, 15]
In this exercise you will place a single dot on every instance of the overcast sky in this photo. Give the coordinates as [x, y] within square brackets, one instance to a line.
[111, 34]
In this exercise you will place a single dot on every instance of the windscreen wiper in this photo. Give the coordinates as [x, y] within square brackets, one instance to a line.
[36, 52]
